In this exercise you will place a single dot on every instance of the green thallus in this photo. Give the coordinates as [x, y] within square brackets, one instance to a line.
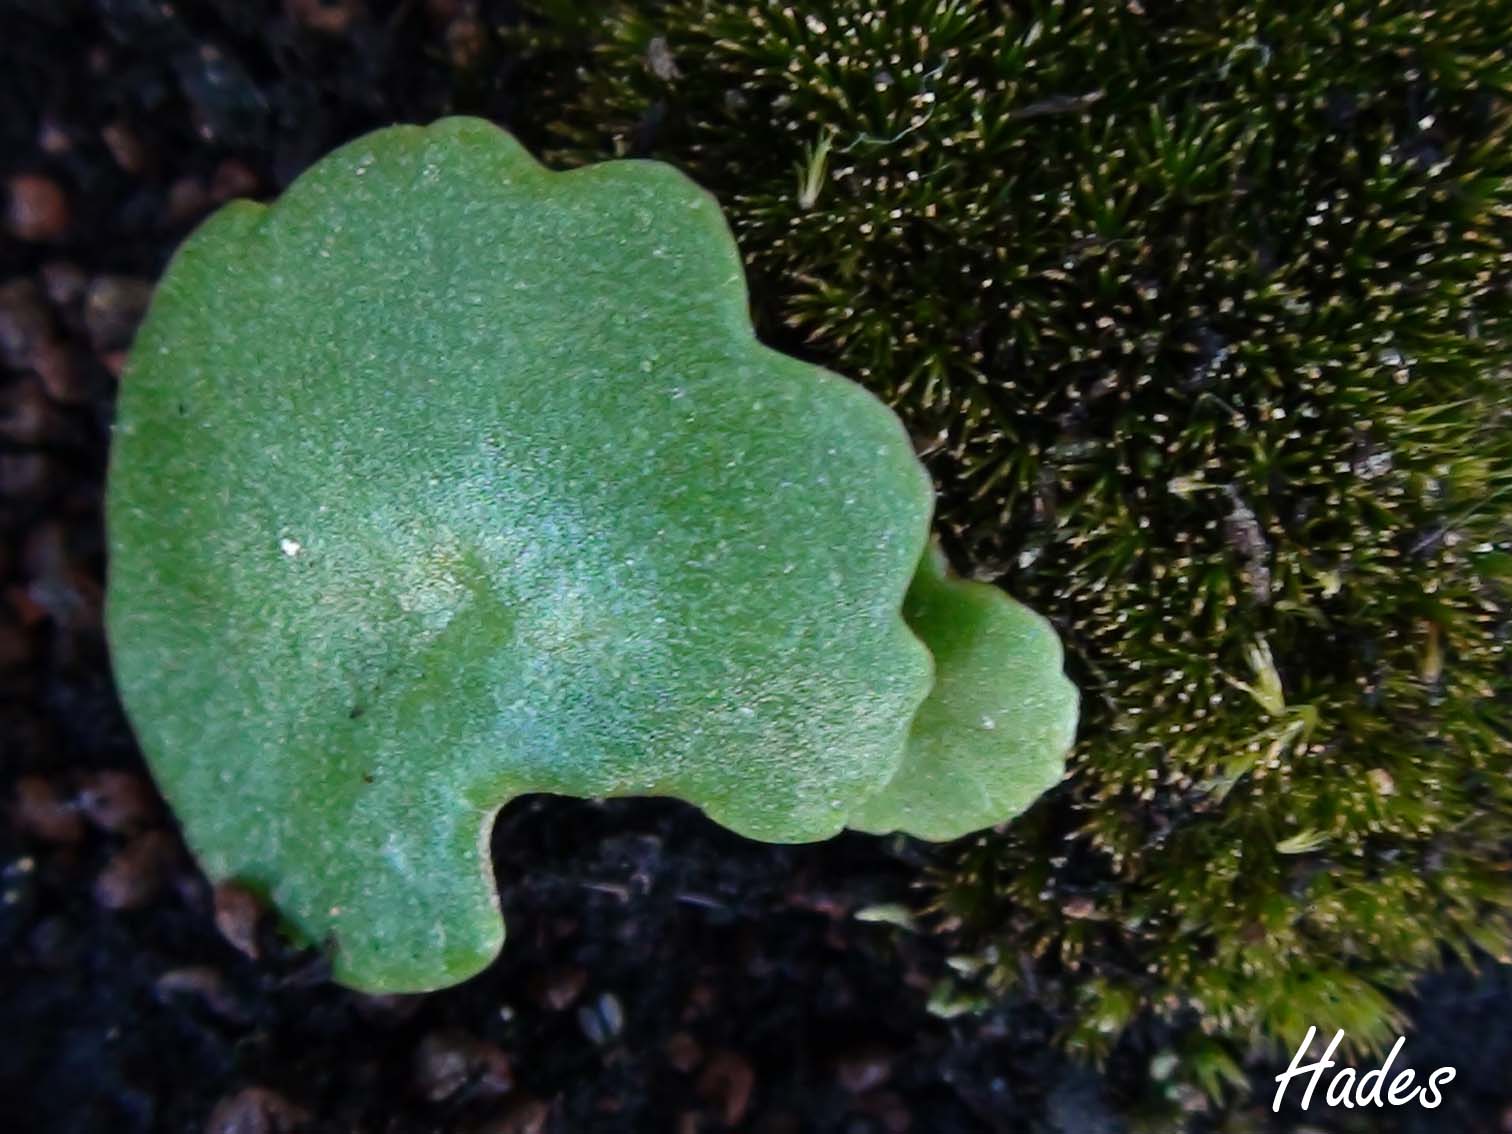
[447, 479]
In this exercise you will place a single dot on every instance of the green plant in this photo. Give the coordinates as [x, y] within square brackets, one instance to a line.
[1206, 310]
[448, 478]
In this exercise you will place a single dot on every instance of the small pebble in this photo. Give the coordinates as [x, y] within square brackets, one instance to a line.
[683, 1052]
[603, 1019]
[137, 872]
[256, 1110]
[466, 42]
[864, 1068]
[237, 914]
[53, 138]
[449, 1060]
[232, 178]
[559, 989]
[38, 209]
[113, 306]
[43, 812]
[62, 378]
[124, 146]
[187, 199]
[726, 1083]
[120, 802]
[114, 361]
[330, 16]
[205, 984]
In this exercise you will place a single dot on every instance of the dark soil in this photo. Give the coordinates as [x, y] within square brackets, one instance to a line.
[661, 975]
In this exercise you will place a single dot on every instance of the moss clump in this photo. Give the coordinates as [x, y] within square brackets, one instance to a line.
[1202, 317]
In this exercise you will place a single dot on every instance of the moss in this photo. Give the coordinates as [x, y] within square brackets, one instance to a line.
[1201, 315]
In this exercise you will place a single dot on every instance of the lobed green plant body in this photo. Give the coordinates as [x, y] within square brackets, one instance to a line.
[1201, 315]
[447, 478]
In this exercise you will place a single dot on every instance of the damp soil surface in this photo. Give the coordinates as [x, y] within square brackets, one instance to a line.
[661, 974]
